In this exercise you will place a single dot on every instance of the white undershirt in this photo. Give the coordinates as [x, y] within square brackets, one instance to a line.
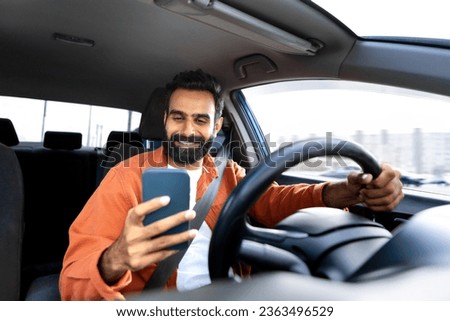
[193, 271]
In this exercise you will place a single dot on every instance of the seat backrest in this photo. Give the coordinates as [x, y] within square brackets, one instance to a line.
[8, 135]
[151, 126]
[119, 146]
[62, 140]
[11, 224]
[122, 145]
[59, 177]
[117, 137]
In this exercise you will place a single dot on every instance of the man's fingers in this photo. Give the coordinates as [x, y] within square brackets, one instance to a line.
[157, 249]
[384, 204]
[356, 181]
[137, 214]
[144, 245]
[387, 175]
[169, 222]
[383, 193]
[365, 178]
[383, 199]
[154, 249]
[163, 242]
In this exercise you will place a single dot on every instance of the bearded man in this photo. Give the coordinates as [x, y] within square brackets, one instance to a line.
[111, 253]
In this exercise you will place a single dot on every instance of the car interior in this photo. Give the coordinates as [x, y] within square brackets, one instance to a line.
[120, 54]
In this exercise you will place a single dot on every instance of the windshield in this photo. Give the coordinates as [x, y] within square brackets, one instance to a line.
[415, 129]
[392, 18]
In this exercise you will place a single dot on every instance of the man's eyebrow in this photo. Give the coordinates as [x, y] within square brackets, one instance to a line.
[177, 112]
[201, 116]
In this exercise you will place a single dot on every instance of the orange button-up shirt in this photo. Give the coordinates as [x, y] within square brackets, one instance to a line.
[101, 221]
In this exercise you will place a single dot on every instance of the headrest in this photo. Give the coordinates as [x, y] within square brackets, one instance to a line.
[8, 135]
[62, 140]
[131, 138]
[152, 120]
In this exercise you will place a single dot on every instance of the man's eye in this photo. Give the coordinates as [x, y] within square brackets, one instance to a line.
[177, 118]
[201, 121]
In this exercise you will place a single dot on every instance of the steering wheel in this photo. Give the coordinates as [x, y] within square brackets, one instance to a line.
[231, 228]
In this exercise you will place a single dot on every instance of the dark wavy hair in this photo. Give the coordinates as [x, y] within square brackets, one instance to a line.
[197, 80]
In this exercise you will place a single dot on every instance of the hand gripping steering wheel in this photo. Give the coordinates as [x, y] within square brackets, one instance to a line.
[231, 228]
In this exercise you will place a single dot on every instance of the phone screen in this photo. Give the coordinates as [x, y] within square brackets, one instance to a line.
[171, 182]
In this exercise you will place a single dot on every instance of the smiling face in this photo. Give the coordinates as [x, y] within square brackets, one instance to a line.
[190, 127]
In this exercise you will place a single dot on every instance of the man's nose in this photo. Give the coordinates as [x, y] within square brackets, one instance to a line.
[188, 129]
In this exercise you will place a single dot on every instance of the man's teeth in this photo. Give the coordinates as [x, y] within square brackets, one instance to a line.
[186, 143]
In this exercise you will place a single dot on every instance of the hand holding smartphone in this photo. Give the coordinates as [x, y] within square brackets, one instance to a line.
[157, 182]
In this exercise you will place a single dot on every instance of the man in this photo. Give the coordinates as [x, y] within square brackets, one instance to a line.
[111, 252]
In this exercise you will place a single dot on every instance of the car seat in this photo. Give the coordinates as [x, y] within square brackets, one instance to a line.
[11, 224]
[8, 135]
[122, 145]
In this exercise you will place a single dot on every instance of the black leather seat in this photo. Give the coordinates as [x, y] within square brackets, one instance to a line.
[11, 224]
[8, 135]
[59, 178]
[151, 127]
[123, 145]
[120, 145]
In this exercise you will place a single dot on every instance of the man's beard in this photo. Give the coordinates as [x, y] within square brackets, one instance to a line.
[187, 155]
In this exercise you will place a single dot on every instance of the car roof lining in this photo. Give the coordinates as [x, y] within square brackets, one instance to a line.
[134, 51]
[123, 76]
[399, 65]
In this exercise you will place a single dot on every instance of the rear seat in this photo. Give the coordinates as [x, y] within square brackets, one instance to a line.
[59, 177]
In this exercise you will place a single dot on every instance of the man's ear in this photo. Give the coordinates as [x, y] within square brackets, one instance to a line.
[218, 125]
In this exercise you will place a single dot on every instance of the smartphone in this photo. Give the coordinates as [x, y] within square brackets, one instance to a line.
[171, 182]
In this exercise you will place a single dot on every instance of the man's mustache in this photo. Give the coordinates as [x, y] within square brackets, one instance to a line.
[188, 139]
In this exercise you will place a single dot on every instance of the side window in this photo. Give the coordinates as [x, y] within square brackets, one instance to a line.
[93, 122]
[405, 128]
